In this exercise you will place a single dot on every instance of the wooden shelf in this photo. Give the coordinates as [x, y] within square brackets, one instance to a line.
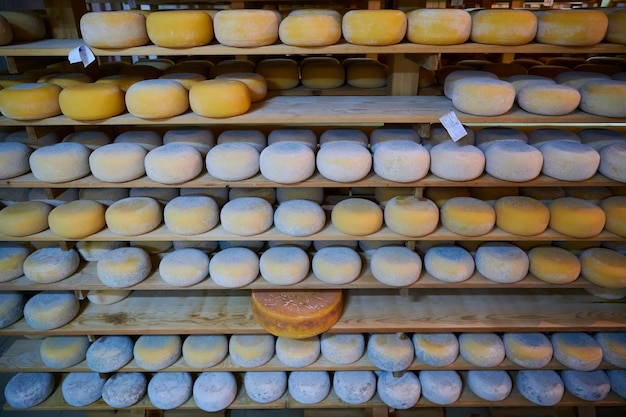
[372, 180]
[23, 356]
[365, 311]
[342, 110]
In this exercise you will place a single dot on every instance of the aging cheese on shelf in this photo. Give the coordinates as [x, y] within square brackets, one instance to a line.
[156, 352]
[438, 26]
[133, 216]
[482, 349]
[82, 388]
[454, 77]
[400, 160]
[173, 163]
[299, 218]
[483, 97]
[569, 161]
[13, 159]
[603, 98]
[576, 217]
[118, 162]
[577, 350]
[354, 387]
[503, 27]
[60, 352]
[456, 162]
[336, 265]
[220, 98]
[342, 348]
[548, 100]
[398, 391]
[93, 139]
[391, 352]
[297, 353]
[322, 75]
[60, 162]
[613, 346]
[553, 264]
[284, 265]
[467, 216]
[124, 267]
[576, 27]
[522, 216]
[24, 218]
[204, 351]
[234, 267]
[49, 310]
[91, 101]
[343, 161]
[232, 161]
[542, 387]
[297, 314]
[180, 28]
[357, 216]
[513, 161]
[529, 350]
[616, 29]
[214, 391]
[374, 27]
[109, 353]
[77, 219]
[266, 386]
[588, 386]
[256, 83]
[279, 73]
[604, 267]
[310, 27]
[67, 79]
[309, 387]
[124, 389]
[11, 261]
[25, 26]
[441, 387]
[247, 216]
[184, 267]
[156, 99]
[246, 27]
[366, 74]
[30, 101]
[251, 350]
[107, 297]
[449, 263]
[169, 390]
[114, 29]
[287, 162]
[490, 385]
[501, 262]
[615, 209]
[191, 215]
[396, 266]
[411, 216]
[47, 265]
[436, 349]
[11, 307]
[27, 389]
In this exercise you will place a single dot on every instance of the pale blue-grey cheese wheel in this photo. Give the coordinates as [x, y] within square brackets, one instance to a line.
[617, 377]
[501, 262]
[124, 389]
[265, 387]
[82, 388]
[11, 307]
[25, 390]
[47, 265]
[396, 266]
[234, 267]
[214, 391]
[449, 263]
[569, 161]
[251, 350]
[204, 351]
[529, 350]
[308, 387]
[490, 385]
[399, 391]
[109, 353]
[577, 350]
[11, 262]
[63, 351]
[390, 351]
[173, 163]
[613, 346]
[354, 387]
[168, 390]
[247, 216]
[436, 349]
[587, 385]
[156, 352]
[401, 160]
[284, 265]
[542, 387]
[297, 353]
[513, 161]
[234, 161]
[299, 218]
[441, 387]
[336, 265]
[124, 267]
[13, 159]
[49, 310]
[482, 349]
[342, 348]
[184, 267]
[287, 162]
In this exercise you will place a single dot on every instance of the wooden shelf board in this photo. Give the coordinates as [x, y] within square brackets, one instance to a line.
[449, 310]
[342, 110]
[23, 356]
[372, 180]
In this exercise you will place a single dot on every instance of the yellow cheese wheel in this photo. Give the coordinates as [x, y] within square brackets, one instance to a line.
[114, 29]
[246, 27]
[554, 265]
[323, 75]
[467, 216]
[503, 26]
[548, 99]
[26, 26]
[157, 99]
[604, 98]
[63, 351]
[220, 98]
[24, 218]
[30, 101]
[91, 101]
[522, 216]
[615, 209]
[310, 27]
[155, 352]
[297, 314]
[133, 216]
[438, 26]
[604, 267]
[145, 71]
[279, 73]
[77, 219]
[616, 30]
[123, 267]
[11, 261]
[180, 28]
[576, 217]
[576, 27]
[66, 79]
[123, 81]
[439, 195]
[187, 79]
[411, 216]
[366, 74]
[232, 65]
[7, 80]
[454, 77]
[196, 66]
[483, 96]
[374, 27]
[357, 216]
[256, 83]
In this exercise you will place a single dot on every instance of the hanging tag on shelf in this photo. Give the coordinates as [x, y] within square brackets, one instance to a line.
[453, 126]
[82, 54]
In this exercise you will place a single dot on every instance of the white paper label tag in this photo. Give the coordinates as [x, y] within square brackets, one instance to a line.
[453, 126]
[456, 2]
[82, 54]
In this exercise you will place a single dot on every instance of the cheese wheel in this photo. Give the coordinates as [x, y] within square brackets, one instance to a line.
[611, 158]
[501, 262]
[11, 261]
[252, 137]
[168, 390]
[47, 265]
[548, 100]
[601, 97]
[401, 161]
[603, 267]
[279, 73]
[569, 161]
[115, 29]
[204, 351]
[440, 387]
[118, 162]
[343, 161]
[297, 314]
[522, 216]
[246, 216]
[231, 65]
[179, 28]
[299, 218]
[220, 98]
[305, 136]
[438, 26]
[483, 97]
[322, 75]
[467, 216]
[379, 136]
[186, 79]
[577, 350]
[109, 353]
[156, 352]
[529, 350]
[617, 377]
[391, 352]
[456, 162]
[153, 247]
[60, 352]
[520, 81]
[490, 385]
[613, 347]
[357, 216]
[310, 27]
[60, 162]
[439, 195]
[539, 137]
[30, 101]
[503, 27]
[484, 350]
[453, 78]
[251, 350]
[265, 387]
[577, 79]
[396, 266]
[504, 70]
[571, 27]
[123, 81]
[598, 138]
[343, 135]
[173, 163]
[234, 267]
[284, 265]
[184, 267]
[554, 265]
[615, 32]
[93, 139]
[449, 263]
[513, 161]
[297, 353]
[26, 390]
[542, 387]
[214, 391]
[411, 216]
[614, 208]
[123, 267]
[342, 348]
[246, 27]
[191, 215]
[205, 246]
[24, 26]
[374, 27]
[336, 265]
[11, 306]
[308, 387]
[77, 219]
[91, 101]
[485, 137]
[106, 297]
[49, 310]
[382, 195]
[124, 389]
[287, 162]
[82, 388]
[146, 138]
[366, 74]
[588, 386]
[93, 251]
[267, 194]
[354, 387]
[13, 159]
[436, 349]
[576, 217]
[24, 218]
[234, 161]
[199, 138]
[156, 99]
[133, 216]
[256, 83]
[398, 390]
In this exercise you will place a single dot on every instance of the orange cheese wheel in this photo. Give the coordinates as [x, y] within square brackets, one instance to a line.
[297, 314]
[246, 27]
[578, 27]
[503, 26]
[180, 28]
[438, 26]
[310, 27]
[157, 99]
[374, 27]
[30, 101]
[616, 31]
[92, 101]
[220, 98]
[256, 83]
[116, 29]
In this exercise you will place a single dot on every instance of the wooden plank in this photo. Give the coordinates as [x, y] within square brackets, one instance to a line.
[64, 17]
[228, 312]
[403, 76]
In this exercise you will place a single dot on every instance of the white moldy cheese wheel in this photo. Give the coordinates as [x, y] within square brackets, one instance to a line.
[252, 137]
[571, 27]
[483, 96]
[391, 352]
[467, 216]
[513, 161]
[436, 349]
[308, 387]
[603, 98]
[191, 215]
[411, 216]
[184, 267]
[396, 266]
[169, 390]
[374, 27]
[115, 29]
[234, 267]
[354, 387]
[613, 347]
[173, 163]
[598, 138]
[357, 216]
[612, 161]
[548, 100]
[157, 99]
[246, 28]
[267, 194]
[265, 386]
[256, 83]
[616, 32]
[487, 136]
[569, 161]
[521, 215]
[109, 353]
[501, 262]
[61, 162]
[25, 26]
[279, 73]
[539, 137]
[529, 350]
[342, 348]
[124, 389]
[322, 75]
[124, 267]
[179, 28]
[400, 391]
[82, 388]
[60, 352]
[297, 353]
[366, 74]
[234, 161]
[30, 101]
[454, 77]
[456, 162]
[92, 101]
[379, 136]
[148, 139]
[214, 391]
[11, 307]
[133, 216]
[251, 350]
[401, 160]
[438, 26]
[284, 265]
[201, 139]
[300, 135]
[204, 351]
[336, 265]
[554, 265]
[310, 27]
[107, 297]
[542, 387]
[490, 385]
[343, 135]
[220, 98]
[247, 216]
[577, 350]
[48, 265]
[11, 261]
[287, 162]
[49, 310]
[503, 27]
[604, 267]
[576, 217]
[155, 352]
[588, 386]
[13, 159]
[441, 387]
[77, 219]
[24, 218]
[482, 349]
[26, 390]
[343, 161]
[118, 162]
[615, 209]
[299, 218]
[449, 263]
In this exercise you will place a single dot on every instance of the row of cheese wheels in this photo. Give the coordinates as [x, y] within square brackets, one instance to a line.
[319, 27]
[391, 264]
[291, 156]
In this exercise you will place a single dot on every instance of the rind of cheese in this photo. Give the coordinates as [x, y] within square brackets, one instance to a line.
[483, 97]
[123, 267]
[603, 98]
[156, 352]
[513, 161]
[191, 215]
[287, 162]
[436, 349]
[114, 29]
[77, 219]
[577, 350]
[27, 389]
[411, 216]
[266, 386]
[133, 216]
[49, 310]
[467, 216]
[530, 350]
[179, 28]
[25, 26]
[118, 162]
[46, 265]
[604, 267]
[482, 349]
[24, 218]
[11, 307]
[30, 101]
[220, 98]
[256, 83]
[279, 73]
[251, 350]
[400, 160]
[91, 101]
[503, 27]
[615, 209]
[576, 27]
[553, 264]
[63, 351]
[246, 27]
[13, 159]
[522, 216]
[374, 27]
[392, 352]
[310, 27]
[548, 100]
[357, 216]
[616, 32]
[322, 75]
[11, 261]
[438, 26]
[576, 217]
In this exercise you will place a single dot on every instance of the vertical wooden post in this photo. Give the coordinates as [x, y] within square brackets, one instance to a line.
[64, 17]
[403, 76]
